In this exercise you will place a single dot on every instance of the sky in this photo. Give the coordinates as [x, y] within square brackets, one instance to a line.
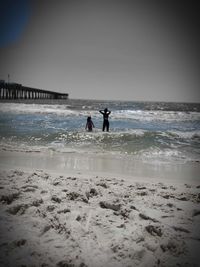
[103, 49]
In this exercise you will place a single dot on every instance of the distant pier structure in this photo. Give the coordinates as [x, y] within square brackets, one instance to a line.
[18, 91]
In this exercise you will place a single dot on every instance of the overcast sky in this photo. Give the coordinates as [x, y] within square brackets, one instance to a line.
[103, 49]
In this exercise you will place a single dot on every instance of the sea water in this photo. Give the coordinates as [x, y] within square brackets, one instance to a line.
[146, 131]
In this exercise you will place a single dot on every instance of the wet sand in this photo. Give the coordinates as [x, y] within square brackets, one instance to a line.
[105, 164]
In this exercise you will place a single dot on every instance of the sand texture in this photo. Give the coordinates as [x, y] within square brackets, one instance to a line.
[49, 219]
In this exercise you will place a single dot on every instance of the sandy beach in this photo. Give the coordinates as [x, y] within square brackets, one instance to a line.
[99, 133]
[62, 217]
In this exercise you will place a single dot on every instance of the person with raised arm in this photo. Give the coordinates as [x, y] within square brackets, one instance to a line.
[105, 114]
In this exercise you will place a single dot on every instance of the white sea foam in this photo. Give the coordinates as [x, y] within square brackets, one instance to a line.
[159, 115]
[165, 155]
[145, 134]
[36, 108]
[185, 135]
[65, 110]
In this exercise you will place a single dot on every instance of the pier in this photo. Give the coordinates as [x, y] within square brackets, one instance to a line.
[18, 91]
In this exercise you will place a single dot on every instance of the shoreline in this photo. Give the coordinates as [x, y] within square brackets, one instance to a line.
[54, 215]
[102, 164]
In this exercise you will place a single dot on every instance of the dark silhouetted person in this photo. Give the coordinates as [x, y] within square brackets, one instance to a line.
[89, 124]
[106, 114]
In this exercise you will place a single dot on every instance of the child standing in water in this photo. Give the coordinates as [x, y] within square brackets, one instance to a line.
[89, 124]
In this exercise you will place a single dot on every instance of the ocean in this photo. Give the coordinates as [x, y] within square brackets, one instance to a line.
[147, 131]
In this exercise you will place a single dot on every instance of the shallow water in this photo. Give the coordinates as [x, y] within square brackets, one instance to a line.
[156, 132]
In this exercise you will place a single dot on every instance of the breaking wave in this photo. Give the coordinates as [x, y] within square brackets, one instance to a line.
[142, 130]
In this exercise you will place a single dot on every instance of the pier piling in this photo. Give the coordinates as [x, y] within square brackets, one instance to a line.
[18, 91]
